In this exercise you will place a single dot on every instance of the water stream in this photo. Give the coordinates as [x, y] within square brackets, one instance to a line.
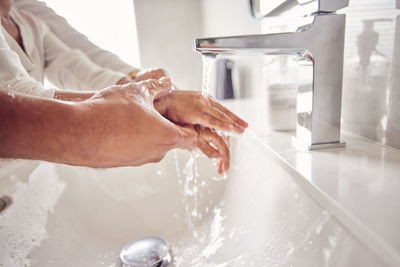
[206, 73]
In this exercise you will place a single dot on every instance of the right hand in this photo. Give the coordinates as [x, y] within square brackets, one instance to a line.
[128, 130]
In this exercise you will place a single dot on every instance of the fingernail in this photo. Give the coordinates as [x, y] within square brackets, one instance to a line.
[239, 127]
[244, 125]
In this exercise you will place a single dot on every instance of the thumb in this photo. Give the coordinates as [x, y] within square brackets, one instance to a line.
[159, 88]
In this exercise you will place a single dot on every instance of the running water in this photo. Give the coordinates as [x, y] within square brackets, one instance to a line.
[190, 189]
[207, 61]
[208, 237]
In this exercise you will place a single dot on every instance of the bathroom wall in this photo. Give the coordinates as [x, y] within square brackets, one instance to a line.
[227, 17]
[167, 29]
[166, 32]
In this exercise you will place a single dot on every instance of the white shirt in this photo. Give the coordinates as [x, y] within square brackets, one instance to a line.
[24, 71]
[66, 33]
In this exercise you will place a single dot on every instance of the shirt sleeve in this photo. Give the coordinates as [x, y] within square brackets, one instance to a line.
[72, 38]
[71, 69]
[13, 76]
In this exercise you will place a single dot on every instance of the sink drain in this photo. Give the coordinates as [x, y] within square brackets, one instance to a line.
[146, 252]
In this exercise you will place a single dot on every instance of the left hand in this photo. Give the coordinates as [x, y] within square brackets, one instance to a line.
[146, 74]
[204, 114]
[190, 107]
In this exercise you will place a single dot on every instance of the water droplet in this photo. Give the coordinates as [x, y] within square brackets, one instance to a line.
[194, 213]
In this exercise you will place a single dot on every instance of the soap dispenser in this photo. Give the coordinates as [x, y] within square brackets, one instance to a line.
[367, 76]
[280, 76]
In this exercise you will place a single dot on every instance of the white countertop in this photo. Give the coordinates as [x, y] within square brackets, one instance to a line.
[359, 184]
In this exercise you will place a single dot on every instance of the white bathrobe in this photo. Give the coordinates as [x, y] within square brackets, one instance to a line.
[45, 55]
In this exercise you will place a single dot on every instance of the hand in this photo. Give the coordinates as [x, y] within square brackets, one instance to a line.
[189, 107]
[124, 80]
[150, 74]
[206, 114]
[129, 130]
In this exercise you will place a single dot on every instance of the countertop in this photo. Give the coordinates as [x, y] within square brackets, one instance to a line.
[359, 184]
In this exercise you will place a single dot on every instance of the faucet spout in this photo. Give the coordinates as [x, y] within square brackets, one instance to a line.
[323, 43]
[271, 44]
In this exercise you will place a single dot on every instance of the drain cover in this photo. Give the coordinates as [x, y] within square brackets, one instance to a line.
[146, 252]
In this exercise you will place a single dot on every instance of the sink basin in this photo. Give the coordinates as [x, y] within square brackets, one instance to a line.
[258, 215]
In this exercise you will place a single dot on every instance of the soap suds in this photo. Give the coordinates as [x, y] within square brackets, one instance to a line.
[23, 226]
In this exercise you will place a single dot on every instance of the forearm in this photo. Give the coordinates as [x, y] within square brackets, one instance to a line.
[75, 96]
[43, 129]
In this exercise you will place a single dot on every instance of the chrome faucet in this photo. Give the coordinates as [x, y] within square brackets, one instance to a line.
[322, 43]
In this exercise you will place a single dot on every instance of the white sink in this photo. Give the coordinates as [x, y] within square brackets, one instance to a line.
[257, 216]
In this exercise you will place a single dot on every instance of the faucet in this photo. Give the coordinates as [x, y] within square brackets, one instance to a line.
[322, 43]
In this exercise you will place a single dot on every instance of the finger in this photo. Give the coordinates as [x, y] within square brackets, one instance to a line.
[158, 88]
[210, 121]
[220, 145]
[166, 80]
[224, 118]
[166, 85]
[229, 113]
[158, 73]
[208, 150]
[150, 74]
[220, 166]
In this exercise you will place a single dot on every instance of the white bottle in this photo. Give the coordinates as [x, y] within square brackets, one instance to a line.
[280, 76]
